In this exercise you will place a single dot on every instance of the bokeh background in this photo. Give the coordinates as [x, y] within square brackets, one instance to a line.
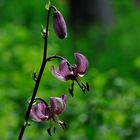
[107, 32]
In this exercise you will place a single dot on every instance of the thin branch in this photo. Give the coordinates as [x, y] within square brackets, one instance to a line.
[55, 57]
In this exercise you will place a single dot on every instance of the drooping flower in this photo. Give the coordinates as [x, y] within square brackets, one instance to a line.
[41, 111]
[68, 72]
[59, 25]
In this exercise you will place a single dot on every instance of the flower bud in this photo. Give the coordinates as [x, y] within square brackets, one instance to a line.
[59, 25]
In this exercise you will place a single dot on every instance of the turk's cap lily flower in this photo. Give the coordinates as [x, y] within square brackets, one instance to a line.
[66, 72]
[41, 111]
[59, 25]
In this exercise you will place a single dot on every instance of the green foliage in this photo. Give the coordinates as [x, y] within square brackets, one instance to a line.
[47, 4]
[110, 111]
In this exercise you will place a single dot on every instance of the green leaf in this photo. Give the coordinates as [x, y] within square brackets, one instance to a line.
[47, 4]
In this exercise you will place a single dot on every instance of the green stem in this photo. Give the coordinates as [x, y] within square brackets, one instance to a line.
[38, 79]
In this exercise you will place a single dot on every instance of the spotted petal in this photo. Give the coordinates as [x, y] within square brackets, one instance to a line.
[81, 64]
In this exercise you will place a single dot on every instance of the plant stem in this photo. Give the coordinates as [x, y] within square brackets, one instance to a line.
[54, 57]
[39, 77]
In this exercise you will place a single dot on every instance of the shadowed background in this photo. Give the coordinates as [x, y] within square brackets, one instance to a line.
[107, 32]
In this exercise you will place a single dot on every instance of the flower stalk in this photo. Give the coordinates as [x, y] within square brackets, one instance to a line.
[38, 78]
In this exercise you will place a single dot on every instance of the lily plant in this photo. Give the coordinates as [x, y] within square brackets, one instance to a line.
[38, 109]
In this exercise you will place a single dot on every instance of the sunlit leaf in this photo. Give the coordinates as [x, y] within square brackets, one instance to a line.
[47, 5]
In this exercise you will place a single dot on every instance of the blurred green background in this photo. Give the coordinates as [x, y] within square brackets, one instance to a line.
[107, 33]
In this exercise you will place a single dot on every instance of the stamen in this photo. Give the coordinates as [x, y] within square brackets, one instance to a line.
[49, 131]
[54, 129]
[81, 86]
[63, 124]
[84, 87]
[87, 86]
[71, 89]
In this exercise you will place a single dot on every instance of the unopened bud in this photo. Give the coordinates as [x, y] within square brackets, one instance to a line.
[59, 25]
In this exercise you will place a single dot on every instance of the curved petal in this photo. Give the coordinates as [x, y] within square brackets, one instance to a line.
[34, 116]
[43, 109]
[38, 112]
[81, 64]
[57, 75]
[63, 71]
[58, 104]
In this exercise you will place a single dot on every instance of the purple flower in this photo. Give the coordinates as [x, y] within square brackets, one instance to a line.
[41, 111]
[59, 25]
[67, 72]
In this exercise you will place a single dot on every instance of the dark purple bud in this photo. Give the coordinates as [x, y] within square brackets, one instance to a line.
[59, 25]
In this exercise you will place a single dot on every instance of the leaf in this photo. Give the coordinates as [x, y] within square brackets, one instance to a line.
[47, 5]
